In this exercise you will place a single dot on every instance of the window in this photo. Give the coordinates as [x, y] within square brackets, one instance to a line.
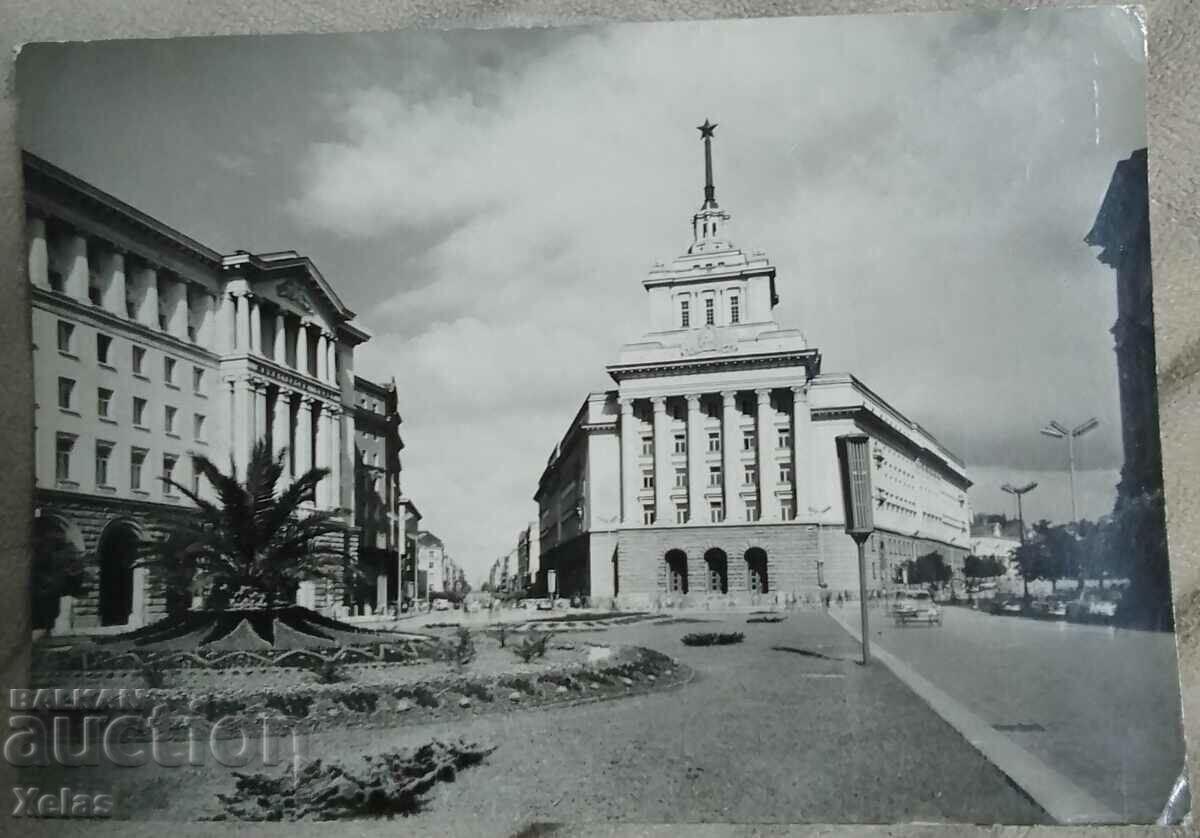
[139, 360]
[714, 476]
[647, 446]
[751, 510]
[198, 379]
[681, 514]
[66, 389]
[139, 412]
[103, 400]
[735, 314]
[714, 442]
[198, 426]
[648, 514]
[785, 438]
[103, 452]
[648, 479]
[169, 419]
[785, 473]
[137, 458]
[750, 477]
[63, 446]
[680, 478]
[748, 440]
[168, 473]
[716, 512]
[169, 370]
[680, 443]
[787, 510]
[710, 315]
[685, 314]
[66, 336]
[103, 345]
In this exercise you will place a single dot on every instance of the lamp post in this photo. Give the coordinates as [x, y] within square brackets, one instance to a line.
[1017, 492]
[1057, 431]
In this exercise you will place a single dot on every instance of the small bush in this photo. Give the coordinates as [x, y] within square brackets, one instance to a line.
[533, 646]
[474, 690]
[327, 671]
[422, 695]
[294, 706]
[559, 679]
[766, 619]
[154, 676]
[520, 684]
[359, 701]
[713, 639]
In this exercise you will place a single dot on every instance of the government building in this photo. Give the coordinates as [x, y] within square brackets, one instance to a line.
[710, 471]
[149, 346]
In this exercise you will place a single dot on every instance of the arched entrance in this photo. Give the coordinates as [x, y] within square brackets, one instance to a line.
[116, 554]
[718, 570]
[758, 580]
[677, 572]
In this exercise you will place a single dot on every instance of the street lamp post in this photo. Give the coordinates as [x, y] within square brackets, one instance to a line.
[1054, 429]
[1017, 492]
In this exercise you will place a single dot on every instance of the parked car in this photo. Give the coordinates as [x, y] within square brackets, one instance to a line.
[916, 608]
[1007, 606]
[441, 605]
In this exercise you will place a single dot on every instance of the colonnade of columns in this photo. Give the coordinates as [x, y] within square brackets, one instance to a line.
[245, 317]
[91, 270]
[663, 431]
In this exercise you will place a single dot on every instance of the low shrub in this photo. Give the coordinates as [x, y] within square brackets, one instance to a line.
[713, 639]
[155, 677]
[533, 647]
[766, 619]
[422, 695]
[519, 684]
[359, 701]
[472, 689]
[560, 679]
[293, 706]
[327, 671]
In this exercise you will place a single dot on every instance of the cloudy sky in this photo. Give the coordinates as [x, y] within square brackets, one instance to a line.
[488, 203]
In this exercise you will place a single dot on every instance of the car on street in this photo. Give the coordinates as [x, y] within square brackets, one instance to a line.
[441, 605]
[1007, 606]
[916, 608]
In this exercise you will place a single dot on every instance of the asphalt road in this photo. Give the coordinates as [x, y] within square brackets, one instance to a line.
[1099, 705]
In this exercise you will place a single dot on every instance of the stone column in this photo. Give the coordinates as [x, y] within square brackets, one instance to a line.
[146, 282]
[245, 420]
[768, 469]
[228, 321]
[331, 361]
[322, 452]
[663, 471]
[241, 340]
[112, 273]
[731, 432]
[279, 349]
[304, 432]
[697, 473]
[39, 252]
[137, 614]
[260, 410]
[801, 445]
[322, 357]
[302, 347]
[629, 464]
[255, 326]
[76, 281]
[280, 421]
[205, 331]
[335, 456]
[177, 306]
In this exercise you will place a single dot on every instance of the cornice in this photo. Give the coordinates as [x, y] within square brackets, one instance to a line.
[809, 358]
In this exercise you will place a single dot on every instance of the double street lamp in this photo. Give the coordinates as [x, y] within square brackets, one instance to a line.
[1017, 492]
[1057, 431]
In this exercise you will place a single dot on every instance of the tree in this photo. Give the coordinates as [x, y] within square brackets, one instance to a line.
[58, 570]
[929, 569]
[255, 544]
[982, 567]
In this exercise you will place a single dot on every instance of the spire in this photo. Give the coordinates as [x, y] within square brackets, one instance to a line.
[706, 133]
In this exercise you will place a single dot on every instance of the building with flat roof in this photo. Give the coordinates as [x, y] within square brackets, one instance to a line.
[710, 470]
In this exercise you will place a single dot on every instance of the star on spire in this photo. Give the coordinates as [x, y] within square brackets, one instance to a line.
[706, 130]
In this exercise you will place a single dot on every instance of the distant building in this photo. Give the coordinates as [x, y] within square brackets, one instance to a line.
[431, 561]
[528, 554]
[710, 471]
[996, 545]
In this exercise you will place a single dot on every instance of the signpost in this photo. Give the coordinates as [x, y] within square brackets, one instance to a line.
[854, 467]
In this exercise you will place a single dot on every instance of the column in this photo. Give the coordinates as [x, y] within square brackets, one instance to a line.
[731, 433]
[137, 614]
[239, 428]
[205, 332]
[280, 421]
[255, 326]
[304, 433]
[322, 452]
[242, 332]
[228, 323]
[331, 362]
[76, 284]
[302, 347]
[768, 470]
[664, 513]
[697, 473]
[279, 350]
[335, 457]
[260, 410]
[39, 252]
[629, 464]
[801, 440]
[322, 356]
[176, 295]
[146, 282]
[112, 273]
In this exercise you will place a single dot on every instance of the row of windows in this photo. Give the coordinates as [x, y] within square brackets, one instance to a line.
[104, 400]
[749, 441]
[67, 345]
[710, 311]
[716, 512]
[64, 453]
[715, 476]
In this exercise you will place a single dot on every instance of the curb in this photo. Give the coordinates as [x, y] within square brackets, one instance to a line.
[1062, 799]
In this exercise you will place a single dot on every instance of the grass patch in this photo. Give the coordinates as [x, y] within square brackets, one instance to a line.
[713, 639]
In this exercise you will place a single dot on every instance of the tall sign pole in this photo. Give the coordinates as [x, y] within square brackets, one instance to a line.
[854, 466]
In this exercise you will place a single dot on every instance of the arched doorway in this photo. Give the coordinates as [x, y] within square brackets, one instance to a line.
[677, 572]
[758, 580]
[116, 554]
[58, 568]
[718, 570]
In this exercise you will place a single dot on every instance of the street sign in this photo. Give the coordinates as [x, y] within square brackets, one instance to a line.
[854, 464]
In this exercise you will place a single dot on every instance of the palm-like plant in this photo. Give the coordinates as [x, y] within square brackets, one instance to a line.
[255, 543]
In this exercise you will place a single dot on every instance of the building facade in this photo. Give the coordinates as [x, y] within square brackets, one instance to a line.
[431, 559]
[149, 346]
[710, 471]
